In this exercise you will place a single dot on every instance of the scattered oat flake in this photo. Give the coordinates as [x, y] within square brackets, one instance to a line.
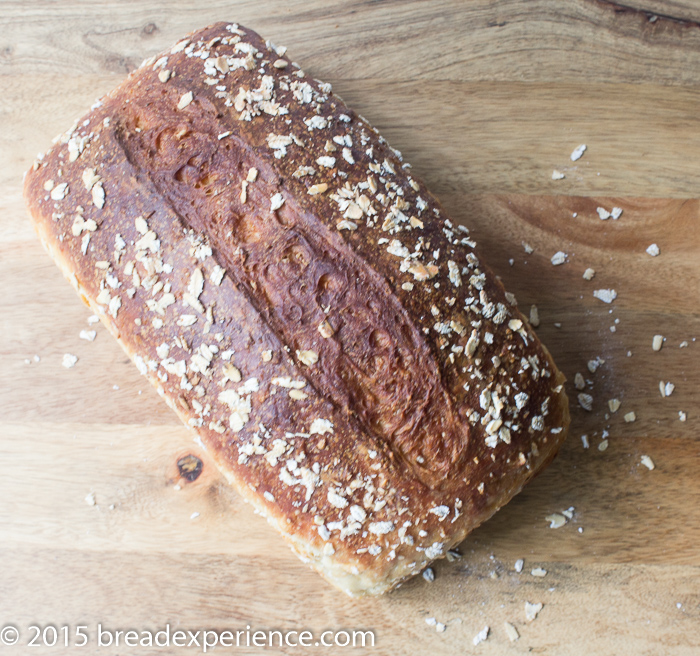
[534, 316]
[527, 248]
[579, 382]
[518, 567]
[585, 401]
[482, 636]
[511, 631]
[90, 499]
[98, 195]
[577, 152]
[325, 329]
[594, 364]
[666, 389]
[532, 610]
[185, 100]
[603, 213]
[539, 572]
[308, 357]
[657, 342]
[616, 213]
[605, 295]
[316, 189]
[588, 274]
[69, 360]
[648, 463]
[88, 335]
[653, 250]
[603, 445]
[555, 520]
[276, 202]
[682, 416]
[559, 258]
[557, 175]
[60, 191]
[630, 417]
[614, 405]
[429, 574]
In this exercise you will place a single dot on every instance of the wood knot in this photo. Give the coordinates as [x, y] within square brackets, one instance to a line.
[190, 467]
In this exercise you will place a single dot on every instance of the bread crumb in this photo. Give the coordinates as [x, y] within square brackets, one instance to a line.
[653, 250]
[682, 416]
[648, 462]
[588, 274]
[69, 360]
[90, 499]
[557, 175]
[527, 248]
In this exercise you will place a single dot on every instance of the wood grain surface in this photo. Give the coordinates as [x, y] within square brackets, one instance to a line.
[485, 100]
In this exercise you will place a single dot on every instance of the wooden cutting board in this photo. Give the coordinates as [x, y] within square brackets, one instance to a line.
[472, 98]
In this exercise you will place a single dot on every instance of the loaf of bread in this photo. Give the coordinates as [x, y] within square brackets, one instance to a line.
[303, 303]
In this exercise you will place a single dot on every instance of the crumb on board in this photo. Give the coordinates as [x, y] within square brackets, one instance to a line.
[657, 342]
[69, 360]
[648, 462]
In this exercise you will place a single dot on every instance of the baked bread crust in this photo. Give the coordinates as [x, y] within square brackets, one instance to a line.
[303, 303]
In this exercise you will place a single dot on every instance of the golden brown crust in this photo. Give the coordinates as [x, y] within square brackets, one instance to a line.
[303, 303]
